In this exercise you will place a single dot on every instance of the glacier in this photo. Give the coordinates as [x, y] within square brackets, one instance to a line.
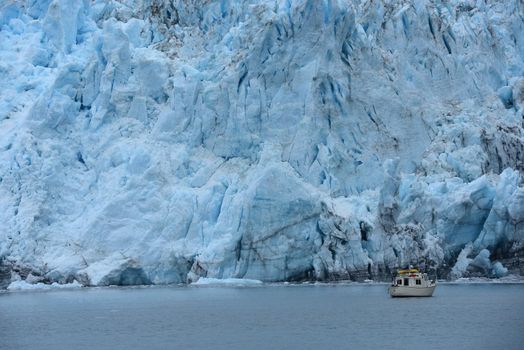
[158, 142]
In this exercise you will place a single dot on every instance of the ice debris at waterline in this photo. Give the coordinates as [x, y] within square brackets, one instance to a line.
[152, 142]
[23, 285]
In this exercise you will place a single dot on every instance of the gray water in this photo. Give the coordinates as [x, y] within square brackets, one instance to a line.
[481, 316]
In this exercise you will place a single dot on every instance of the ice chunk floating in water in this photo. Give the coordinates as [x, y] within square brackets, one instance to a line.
[226, 282]
[160, 142]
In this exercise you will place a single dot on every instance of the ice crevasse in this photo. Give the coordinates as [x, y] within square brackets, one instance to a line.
[155, 142]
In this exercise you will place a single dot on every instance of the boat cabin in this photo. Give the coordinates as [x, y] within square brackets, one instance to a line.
[411, 277]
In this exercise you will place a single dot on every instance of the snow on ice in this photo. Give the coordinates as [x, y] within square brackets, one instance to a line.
[153, 142]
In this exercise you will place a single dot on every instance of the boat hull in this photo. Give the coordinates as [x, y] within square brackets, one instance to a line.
[404, 291]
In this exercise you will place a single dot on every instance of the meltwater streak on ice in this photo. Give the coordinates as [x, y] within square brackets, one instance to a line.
[480, 316]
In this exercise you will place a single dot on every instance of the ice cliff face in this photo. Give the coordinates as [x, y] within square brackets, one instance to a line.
[146, 141]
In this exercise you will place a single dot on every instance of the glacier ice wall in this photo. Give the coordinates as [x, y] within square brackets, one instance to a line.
[147, 141]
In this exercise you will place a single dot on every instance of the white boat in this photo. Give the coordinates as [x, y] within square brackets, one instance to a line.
[411, 283]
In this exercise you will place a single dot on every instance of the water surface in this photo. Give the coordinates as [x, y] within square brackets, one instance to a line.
[477, 316]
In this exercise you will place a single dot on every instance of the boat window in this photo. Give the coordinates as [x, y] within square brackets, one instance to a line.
[406, 281]
[418, 281]
[399, 282]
